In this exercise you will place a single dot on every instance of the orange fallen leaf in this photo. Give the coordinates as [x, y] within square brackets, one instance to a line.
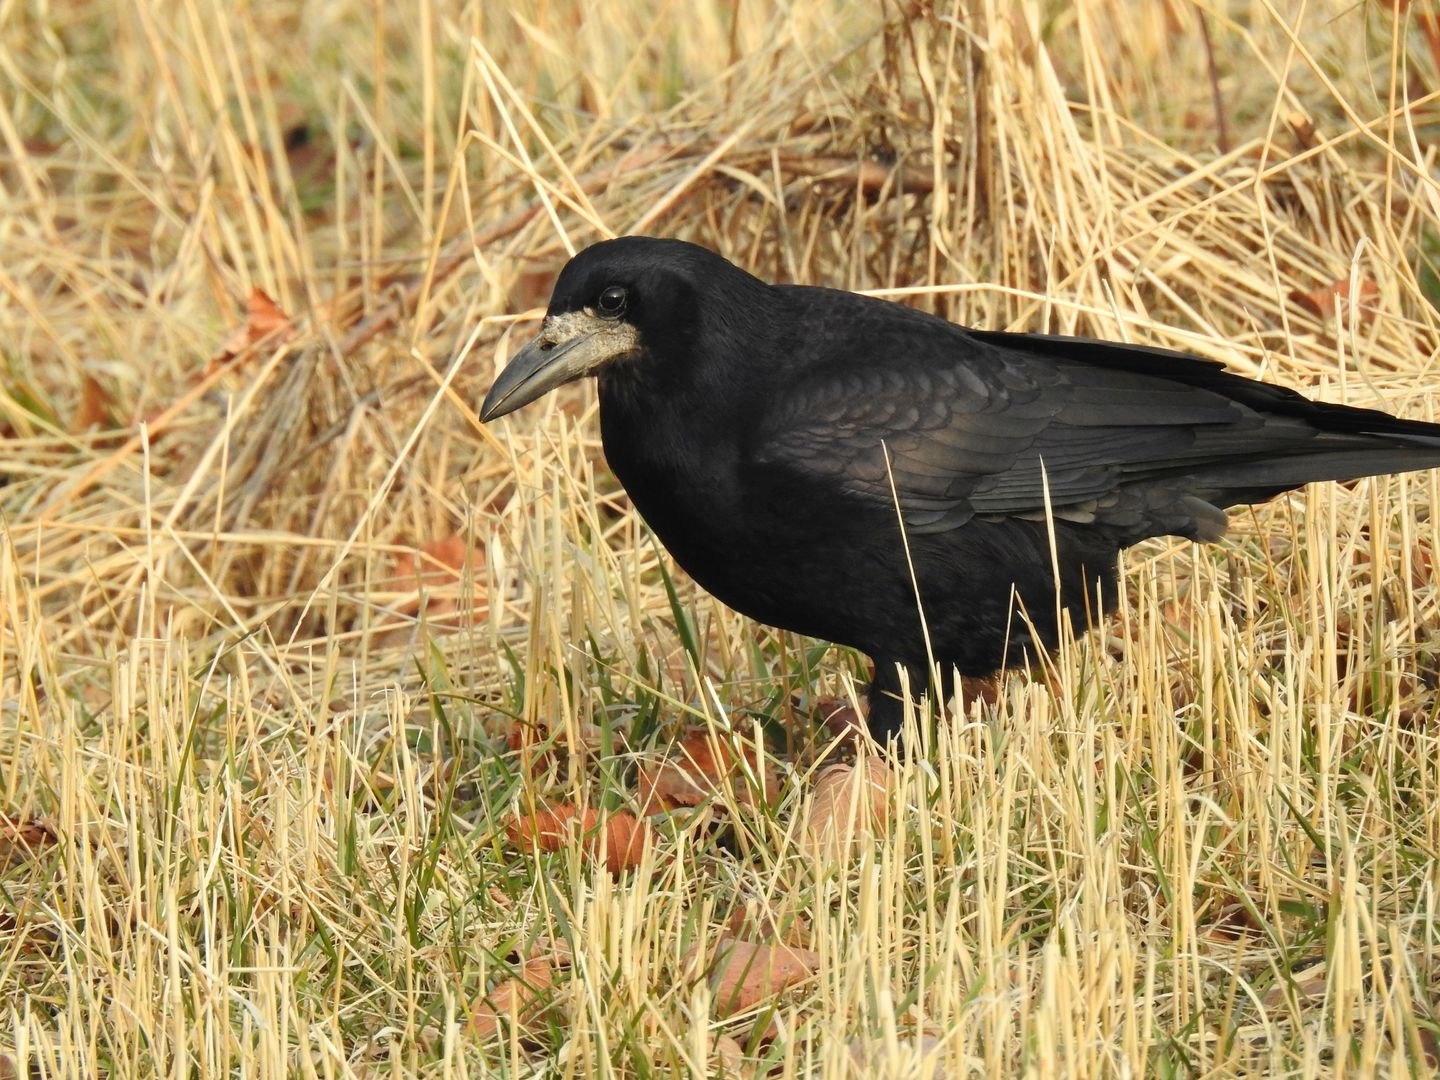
[1303, 128]
[743, 973]
[541, 744]
[450, 552]
[429, 579]
[756, 919]
[437, 561]
[906, 1056]
[554, 827]
[1307, 986]
[848, 804]
[23, 838]
[263, 318]
[838, 717]
[1422, 565]
[984, 688]
[532, 287]
[435, 565]
[520, 1000]
[1326, 300]
[94, 407]
[728, 1056]
[698, 768]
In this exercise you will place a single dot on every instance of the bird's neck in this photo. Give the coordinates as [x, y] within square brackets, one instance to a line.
[676, 452]
[658, 425]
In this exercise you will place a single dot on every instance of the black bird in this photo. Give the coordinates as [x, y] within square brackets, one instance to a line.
[839, 465]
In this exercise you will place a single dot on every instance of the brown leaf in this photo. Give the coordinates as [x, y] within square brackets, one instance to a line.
[1233, 921]
[554, 827]
[435, 566]
[698, 768]
[556, 949]
[744, 973]
[838, 718]
[542, 744]
[520, 1000]
[729, 1057]
[1422, 565]
[906, 1057]
[1303, 128]
[23, 838]
[848, 804]
[94, 407]
[435, 562]
[1308, 986]
[1324, 301]
[263, 318]
[756, 919]
[984, 688]
[532, 287]
[1427, 1033]
[627, 838]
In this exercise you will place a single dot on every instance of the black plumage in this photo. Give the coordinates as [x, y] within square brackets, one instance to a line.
[776, 438]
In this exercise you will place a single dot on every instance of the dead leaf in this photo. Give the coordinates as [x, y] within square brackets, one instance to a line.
[541, 745]
[1422, 565]
[520, 1000]
[729, 1057]
[699, 767]
[434, 572]
[264, 320]
[555, 827]
[1308, 986]
[848, 805]
[1427, 1034]
[1303, 128]
[557, 950]
[435, 564]
[984, 688]
[907, 1057]
[1233, 921]
[1324, 301]
[23, 838]
[756, 919]
[94, 407]
[532, 287]
[838, 718]
[744, 973]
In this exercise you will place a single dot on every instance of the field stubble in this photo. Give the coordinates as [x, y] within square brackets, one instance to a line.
[287, 638]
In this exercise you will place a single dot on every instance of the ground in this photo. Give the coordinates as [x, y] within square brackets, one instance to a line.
[295, 655]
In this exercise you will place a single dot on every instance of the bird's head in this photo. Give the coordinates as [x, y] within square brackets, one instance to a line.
[636, 298]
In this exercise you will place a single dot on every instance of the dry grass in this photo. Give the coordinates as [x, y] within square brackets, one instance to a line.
[253, 720]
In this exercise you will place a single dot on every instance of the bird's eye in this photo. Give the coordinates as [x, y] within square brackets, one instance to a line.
[612, 301]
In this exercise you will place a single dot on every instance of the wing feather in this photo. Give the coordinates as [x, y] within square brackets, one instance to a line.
[980, 430]
[958, 424]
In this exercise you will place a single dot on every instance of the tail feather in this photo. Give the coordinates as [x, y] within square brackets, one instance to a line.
[1240, 481]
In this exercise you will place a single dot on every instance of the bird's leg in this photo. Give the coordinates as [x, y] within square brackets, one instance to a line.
[886, 715]
[886, 696]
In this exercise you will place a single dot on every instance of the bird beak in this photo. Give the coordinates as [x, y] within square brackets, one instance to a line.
[568, 347]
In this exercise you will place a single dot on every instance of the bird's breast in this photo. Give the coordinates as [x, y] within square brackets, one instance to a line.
[682, 475]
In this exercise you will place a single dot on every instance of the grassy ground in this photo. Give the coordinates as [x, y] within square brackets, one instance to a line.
[287, 639]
